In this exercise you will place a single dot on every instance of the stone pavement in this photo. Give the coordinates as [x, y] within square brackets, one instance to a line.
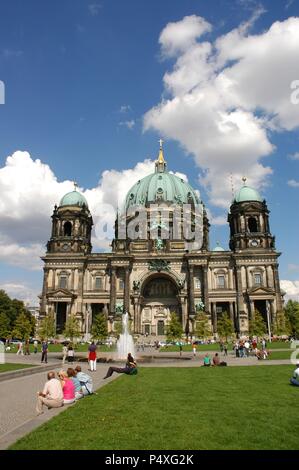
[18, 395]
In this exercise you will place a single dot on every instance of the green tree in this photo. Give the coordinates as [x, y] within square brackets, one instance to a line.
[5, 329]
[281, 325]
[47, 328]
[99, 328]
[174, 328]
[225, 327]
[23, 327]
[202, 326]
[117, 327]
[72, 328]
[257, 326]
[292, 314]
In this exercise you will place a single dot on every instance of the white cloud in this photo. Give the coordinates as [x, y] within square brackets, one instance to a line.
[29, 190]
[291, 288]
[293, 183]
[224, 98]
[294, 156]
[125, 108]
[129, 124]
[293, 267]
[180, 36]
[94, 8]
[21, 292]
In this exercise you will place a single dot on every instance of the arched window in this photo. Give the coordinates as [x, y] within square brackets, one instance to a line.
[252, 224]
[67, 229]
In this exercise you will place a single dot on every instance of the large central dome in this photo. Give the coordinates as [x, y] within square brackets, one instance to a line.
[161, 186]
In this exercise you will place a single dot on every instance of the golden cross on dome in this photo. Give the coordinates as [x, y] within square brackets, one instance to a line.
[161, 143]
[75, 185]
[244, 179]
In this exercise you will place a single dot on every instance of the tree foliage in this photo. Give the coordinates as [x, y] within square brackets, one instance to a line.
[225, 327]
[281, 325]
[257, 326]
[47, 328]
[10, 310]
[292, 315]
[202, 326]
[23, 327]
[99, 328]
[174, 328]
[72, 328]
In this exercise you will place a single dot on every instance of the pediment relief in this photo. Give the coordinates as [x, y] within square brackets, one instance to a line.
[261, 290]
[60, 293]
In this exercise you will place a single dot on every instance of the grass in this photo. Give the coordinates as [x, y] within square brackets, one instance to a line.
[216, 347]
[9, 367]
[280, 355]
[180, 408]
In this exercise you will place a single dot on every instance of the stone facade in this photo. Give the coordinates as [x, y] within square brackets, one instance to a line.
[151, 279]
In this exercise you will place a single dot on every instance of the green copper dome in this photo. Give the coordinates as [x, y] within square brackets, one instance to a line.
[161, 186]
[246, 193]
[74, 198]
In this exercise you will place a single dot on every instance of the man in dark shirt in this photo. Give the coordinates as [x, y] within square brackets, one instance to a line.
[216, 360]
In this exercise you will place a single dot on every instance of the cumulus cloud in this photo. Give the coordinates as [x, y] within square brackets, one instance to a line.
[21, 292]
[221, 102]
[293, 183]
[29, 190]
[294, 156]
[94, 8]
[291, 288]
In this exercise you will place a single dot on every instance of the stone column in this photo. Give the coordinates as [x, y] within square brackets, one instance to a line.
[127, 290]
[112, 291]
[214, 317]
[191, 290]
[277, 288]
[231, 312]
[206, 289]
[240, 300]
[44, 292]
[135, 320]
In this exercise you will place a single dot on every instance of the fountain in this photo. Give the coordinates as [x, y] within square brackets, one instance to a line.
[125, 343]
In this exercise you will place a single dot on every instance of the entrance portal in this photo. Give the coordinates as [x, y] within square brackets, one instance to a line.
[160, 327]
[60, 316]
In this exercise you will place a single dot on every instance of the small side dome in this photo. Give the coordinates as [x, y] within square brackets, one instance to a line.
[218, 247]
[246, 193]
[73, 198]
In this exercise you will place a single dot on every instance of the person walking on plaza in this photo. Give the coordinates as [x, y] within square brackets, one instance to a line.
[51, 396]
[27, 348]
[64, 353]
[225, 349]
[194, 349]
[92, 357]
[20, 349]
[44, 352]
[35, 346]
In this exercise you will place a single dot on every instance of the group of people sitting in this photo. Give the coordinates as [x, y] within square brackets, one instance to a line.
[69, 386]
[215, 361]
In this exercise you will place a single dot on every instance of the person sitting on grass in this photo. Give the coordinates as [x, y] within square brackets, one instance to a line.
[207, 361]
[216, 360]
[295, 379]
[52, 394]
[68, 388]
[85, 381]
[129, 369]
[71, 373]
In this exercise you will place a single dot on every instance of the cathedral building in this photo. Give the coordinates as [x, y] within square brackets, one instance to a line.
[155, 267]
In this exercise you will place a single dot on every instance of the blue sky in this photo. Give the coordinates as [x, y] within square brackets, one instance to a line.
[80, 77]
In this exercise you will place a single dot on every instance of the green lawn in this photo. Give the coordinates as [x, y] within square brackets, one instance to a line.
[280, 355]
[181, 408]
[9, 367]
[216, 347]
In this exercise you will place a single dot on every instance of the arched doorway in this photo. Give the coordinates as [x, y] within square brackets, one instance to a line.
[159, 299]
